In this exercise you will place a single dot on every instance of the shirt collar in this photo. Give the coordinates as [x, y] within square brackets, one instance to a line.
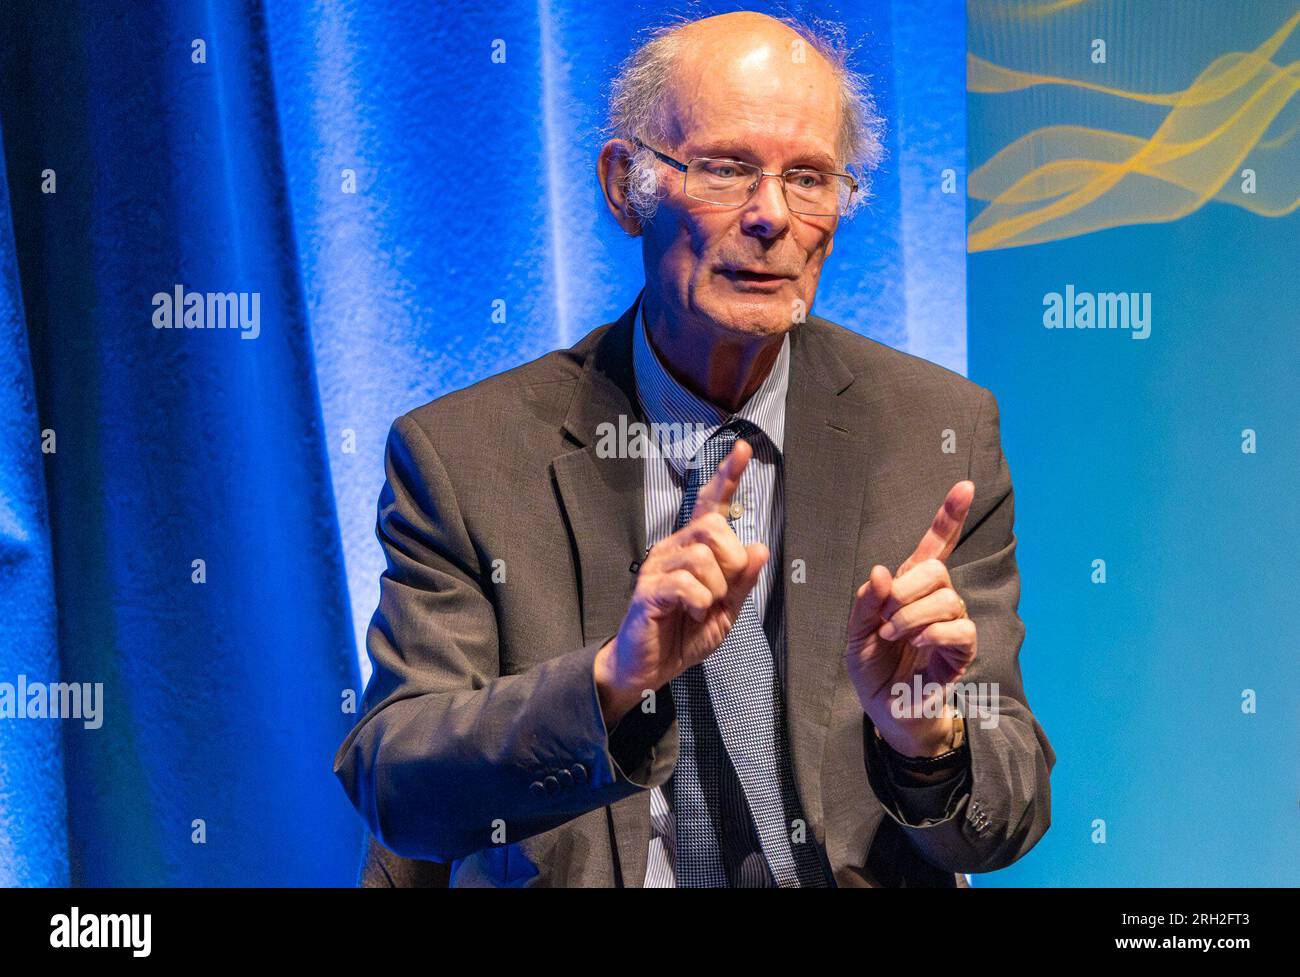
[666, 402]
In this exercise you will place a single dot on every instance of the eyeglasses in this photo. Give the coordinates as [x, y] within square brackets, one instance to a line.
[731, 183]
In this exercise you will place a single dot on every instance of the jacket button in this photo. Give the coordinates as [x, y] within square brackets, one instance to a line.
[551, 785]
[536, 787]
[566, 778]
[579, 773]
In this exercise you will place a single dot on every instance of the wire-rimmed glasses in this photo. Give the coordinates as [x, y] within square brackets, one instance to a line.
[731, 183]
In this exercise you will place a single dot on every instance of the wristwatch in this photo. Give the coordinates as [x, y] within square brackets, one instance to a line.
[953, 757]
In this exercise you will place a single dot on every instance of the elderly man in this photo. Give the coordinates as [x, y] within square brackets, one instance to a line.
[605, 657]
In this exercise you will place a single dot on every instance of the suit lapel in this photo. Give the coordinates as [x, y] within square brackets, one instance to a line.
[827, 465]
[603, 504]
[602, 496]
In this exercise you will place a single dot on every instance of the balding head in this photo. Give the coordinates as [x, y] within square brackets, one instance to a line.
[744, 64]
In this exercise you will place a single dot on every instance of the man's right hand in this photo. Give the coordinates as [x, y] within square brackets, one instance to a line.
[688, 594]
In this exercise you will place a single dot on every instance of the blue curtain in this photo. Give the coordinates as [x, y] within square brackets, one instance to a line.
[384, 177]
[33, 846]
[132, 170]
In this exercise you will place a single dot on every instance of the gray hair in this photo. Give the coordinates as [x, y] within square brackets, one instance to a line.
[643, 80]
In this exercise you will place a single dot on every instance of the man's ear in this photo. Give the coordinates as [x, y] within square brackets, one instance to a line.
[612, 170]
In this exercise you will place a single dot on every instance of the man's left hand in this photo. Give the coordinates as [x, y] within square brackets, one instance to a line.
[913, 623]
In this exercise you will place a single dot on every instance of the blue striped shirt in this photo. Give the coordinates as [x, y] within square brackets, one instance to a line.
[686, 422]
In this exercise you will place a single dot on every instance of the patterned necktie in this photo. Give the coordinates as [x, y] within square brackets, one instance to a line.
[734, 798]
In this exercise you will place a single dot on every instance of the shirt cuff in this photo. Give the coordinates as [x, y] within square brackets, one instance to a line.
[913, 802]
[932, 802]
[636, 743]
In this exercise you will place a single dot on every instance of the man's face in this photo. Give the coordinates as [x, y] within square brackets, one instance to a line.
[744, 270]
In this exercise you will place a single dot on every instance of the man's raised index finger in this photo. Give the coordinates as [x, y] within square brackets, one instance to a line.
[716, 494]
[941, 538]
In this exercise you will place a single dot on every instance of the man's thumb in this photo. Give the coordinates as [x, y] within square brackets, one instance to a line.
[748, 577]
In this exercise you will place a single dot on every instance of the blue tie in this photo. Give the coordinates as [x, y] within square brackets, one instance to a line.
[734, 798]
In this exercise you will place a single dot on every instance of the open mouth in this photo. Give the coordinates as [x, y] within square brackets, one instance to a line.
[756, 277]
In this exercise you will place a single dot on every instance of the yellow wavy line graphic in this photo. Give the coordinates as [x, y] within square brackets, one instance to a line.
[1035, 10]
[1063, 181]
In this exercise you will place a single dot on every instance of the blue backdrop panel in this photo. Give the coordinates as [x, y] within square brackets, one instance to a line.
[1130, 451]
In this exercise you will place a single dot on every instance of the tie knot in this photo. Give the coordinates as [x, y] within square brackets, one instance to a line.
[706, 463]
[735, 429]
[709, 458]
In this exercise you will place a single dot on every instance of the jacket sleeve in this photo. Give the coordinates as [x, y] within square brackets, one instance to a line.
[1007, 807]
[450, 756]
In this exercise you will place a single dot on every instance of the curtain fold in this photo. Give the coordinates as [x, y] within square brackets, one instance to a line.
[196, 553]
[33, 841]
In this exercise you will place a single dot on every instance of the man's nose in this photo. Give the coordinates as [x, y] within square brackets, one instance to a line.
[766, 214]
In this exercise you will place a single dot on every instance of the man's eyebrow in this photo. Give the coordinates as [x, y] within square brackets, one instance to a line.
[740, 149]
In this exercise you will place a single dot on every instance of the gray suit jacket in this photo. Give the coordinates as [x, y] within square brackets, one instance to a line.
[481, 757]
